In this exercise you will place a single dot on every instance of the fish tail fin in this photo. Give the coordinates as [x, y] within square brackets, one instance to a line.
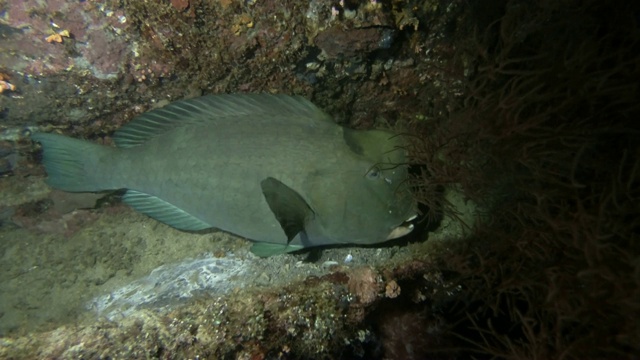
[72, 164]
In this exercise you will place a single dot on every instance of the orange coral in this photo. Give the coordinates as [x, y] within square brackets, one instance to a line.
[5, 84]
[58, 37]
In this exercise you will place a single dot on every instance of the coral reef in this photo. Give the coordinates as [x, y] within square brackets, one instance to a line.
[122, 58]
[522, 121]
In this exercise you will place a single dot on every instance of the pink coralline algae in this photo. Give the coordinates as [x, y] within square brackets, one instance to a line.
[59, 35]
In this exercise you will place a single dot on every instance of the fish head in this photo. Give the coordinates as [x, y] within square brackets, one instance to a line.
[365, 198]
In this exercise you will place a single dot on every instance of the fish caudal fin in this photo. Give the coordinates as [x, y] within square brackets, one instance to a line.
[71, 164]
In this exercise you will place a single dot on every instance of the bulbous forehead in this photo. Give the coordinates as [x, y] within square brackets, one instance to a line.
[376, 145]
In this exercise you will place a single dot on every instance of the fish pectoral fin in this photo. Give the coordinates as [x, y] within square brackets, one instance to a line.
[289, 208]
[163, 211]
[268, 249]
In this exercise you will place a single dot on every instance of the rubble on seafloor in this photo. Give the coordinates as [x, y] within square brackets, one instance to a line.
[317, 315]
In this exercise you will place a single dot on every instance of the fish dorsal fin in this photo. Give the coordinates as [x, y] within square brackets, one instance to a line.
[212, 108]
[163, 211]
[289, 208]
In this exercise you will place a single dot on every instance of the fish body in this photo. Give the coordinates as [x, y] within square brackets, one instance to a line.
[272, 168]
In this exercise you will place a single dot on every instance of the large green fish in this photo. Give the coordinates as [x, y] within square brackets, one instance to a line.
[271, 168]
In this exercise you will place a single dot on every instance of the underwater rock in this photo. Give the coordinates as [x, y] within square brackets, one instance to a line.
[170, 283]
[336, 42]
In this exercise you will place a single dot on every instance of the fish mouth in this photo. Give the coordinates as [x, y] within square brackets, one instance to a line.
[402, 230]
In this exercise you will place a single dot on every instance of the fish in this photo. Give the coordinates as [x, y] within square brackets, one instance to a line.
[271, 168]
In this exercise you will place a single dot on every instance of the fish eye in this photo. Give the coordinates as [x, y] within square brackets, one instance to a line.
[373, 173]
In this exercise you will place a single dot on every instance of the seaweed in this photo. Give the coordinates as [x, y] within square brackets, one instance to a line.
[545, 142]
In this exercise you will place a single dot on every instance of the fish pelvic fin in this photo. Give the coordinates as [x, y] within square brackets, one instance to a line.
[163, 211]
[289, 208]
[268, 249]
[71, 164]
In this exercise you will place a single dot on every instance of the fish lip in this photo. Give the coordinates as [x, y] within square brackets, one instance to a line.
[403, 229]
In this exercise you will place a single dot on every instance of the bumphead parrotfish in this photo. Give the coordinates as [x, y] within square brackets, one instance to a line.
[272, 168]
